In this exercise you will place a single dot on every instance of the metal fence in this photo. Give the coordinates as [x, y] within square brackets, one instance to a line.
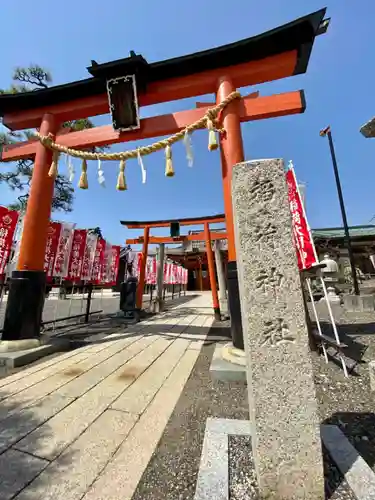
[81, 304]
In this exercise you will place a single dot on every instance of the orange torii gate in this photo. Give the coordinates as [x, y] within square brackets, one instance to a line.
[146, 240]
[121, 87]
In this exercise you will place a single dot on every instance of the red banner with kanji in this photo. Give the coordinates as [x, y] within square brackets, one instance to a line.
[106, 267]
[151, 271]
[301, 234]
[77, 255]
[8, 223]
[63, 250]
[53, 238]
[88, 259]
[98, 261]
[114, 265]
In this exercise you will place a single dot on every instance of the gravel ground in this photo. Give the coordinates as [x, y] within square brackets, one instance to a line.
[242, 479]
[347, 402]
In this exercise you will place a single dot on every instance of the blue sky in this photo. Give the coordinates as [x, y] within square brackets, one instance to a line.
[339, 87]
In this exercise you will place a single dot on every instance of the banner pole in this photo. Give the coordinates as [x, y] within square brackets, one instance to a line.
[71, 298]
[333, 323]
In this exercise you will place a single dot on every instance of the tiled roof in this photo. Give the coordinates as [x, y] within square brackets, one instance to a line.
[338, 232]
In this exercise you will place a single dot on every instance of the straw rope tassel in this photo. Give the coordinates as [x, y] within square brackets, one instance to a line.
[121, 182]
[83, 182]
[53, 169]
[169, 172]
[70, 168]
[212, 139]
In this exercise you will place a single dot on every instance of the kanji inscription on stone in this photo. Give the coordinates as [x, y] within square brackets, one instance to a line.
[269, 280]
[262, 191]
[276, 331]
[265, 233]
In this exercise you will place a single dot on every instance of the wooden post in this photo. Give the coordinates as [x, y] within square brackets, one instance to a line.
[211, 271]
[200, 276]
[27, 285]
[142, 273]
[160, 279]
[231, 151]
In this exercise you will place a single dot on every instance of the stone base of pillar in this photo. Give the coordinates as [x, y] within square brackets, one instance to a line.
[19, 345]
[23, 314]
[224, 307]
[234, 305]
[233, 355]
[157, 306]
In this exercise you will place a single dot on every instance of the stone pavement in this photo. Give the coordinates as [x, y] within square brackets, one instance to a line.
[84, 425]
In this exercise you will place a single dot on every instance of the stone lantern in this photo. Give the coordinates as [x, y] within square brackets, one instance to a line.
[330, 274]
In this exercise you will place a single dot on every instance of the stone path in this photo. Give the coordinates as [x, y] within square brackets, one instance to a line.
[84, 425]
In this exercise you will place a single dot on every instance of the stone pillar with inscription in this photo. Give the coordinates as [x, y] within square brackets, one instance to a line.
[283, 409]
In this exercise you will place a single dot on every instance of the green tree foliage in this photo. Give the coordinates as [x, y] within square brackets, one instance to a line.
[19, 177]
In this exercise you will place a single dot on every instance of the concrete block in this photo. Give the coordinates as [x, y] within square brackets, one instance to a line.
[220, 369]
[17, 469]
[213, 480]
[120, 478]
[49, 440]
[138, 396]
[16, 358]
[359, 476]
[72, 473]
[359, 303]
[15, 427]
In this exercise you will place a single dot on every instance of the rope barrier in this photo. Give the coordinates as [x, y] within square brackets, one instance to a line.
[209, 121]
[210, 115]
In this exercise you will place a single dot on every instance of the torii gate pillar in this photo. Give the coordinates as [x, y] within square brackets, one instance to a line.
[24, 309]
[231, 149]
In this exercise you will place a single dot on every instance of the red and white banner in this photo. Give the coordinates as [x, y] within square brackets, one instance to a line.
[53, 238]
[306, 255]
[63, 250]
[8, 223]
[88, 259]
[98, 261]
[106, 267]
[114, 265]
[77, 255]
[180, 275]
[151, 271]
[167, 273]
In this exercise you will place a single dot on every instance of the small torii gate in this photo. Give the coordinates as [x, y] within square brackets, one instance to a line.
[279, 53]
[208, 237]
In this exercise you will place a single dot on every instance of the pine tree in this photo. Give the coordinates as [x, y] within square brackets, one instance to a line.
[19, 177]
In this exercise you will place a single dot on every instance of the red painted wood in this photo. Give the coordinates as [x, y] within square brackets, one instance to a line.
[242, 75]
[250, 109]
